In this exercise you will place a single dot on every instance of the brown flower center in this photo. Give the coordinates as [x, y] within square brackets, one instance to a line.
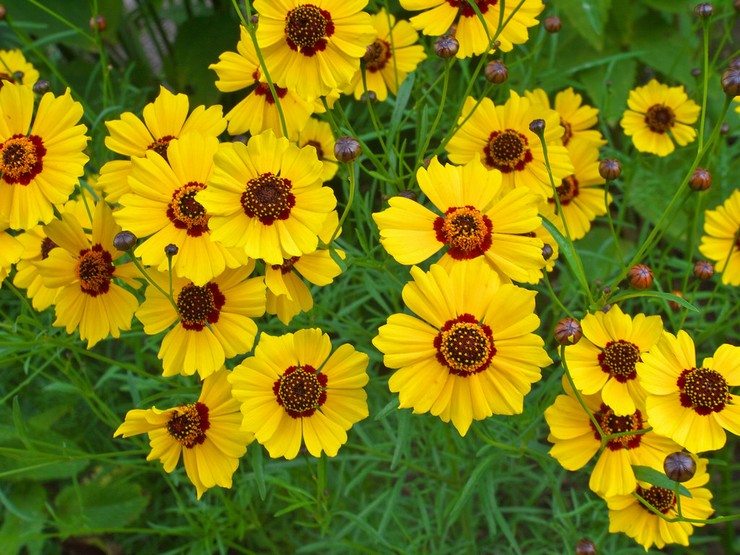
[21, 159]
[317, 146]
[287, 266]
[704, 390]
[187, 213]
[567, 191]
[464, 346]
[160, 146]
[378, 54]
[507, 151]
[46, 247]
[661, 499]
[300, 390]
[94, 269]
[467, 10]
[188, 424]
[465, 230]
[263, 89]
[618, 360]
[612, 424]
[660, 118]
[568, 133]
[199, 305]
[306, 29]
[268, 198]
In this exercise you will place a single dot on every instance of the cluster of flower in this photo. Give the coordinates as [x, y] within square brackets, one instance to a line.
[200, 215]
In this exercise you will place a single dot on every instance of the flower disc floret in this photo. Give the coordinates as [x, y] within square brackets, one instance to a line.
[703, 390]
[300, 390]
[466, 230]
[94, 270]
[268, 198]
[464, 346]
[611, 423]
[21, 159]
[306, 29]
[661, 499]
[660, 118]
[187, 213]
[618, 359]
[188, 424]
[507, 151]
[199, 306]
[377, 56]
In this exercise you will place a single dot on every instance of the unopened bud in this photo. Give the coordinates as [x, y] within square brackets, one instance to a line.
[700, 180]
[705, 9]
[703, 270]
[408, 194]
[98, 23]
[496, 72]
[731, 81]
[124, 241]
[679, 466]
[695, 72]
[41, 86]
[610, 168]
[368, 96]
[675, 307]
[446, 47]
[239, 139]
[537, 126]
[171, 250]
[568, 331]
[347, 149]
[3, 12]
[725, 129]
[547, 252]
[553, 24]
[640, 276]
[586, 547]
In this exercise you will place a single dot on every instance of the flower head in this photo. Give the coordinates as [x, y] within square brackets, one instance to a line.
[14, 68]
[576, 118]
[317, 133]
[470, 352]
[657, 116]
[721, 240]
[206, 433]
[295, 390]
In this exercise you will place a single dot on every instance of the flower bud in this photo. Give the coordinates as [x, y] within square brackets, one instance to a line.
[568, 331]
[408, 194]
[124, 241]
[731, 81]
[347, 149]
[700, 180]
[695, 72]
[725, 129]
[679, 466]
[640, 276]
[675, 307]
[537, 126]
[736, 5]
[547, 252]
[610, 168]
[703, 10]
[3, 12]
[553, 24]
[171, 250]
[496, 72]
[41, 86]
[703, 270]
[446, 47]
[239, 139]
[98, 23]
[368, 96]
[586, 547]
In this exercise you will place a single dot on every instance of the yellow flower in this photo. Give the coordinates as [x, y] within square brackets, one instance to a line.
[576, 440]
[83, 270]
[312, 48]
[500, 135]
[164, 119]
[292, 391]
[576, 118]
[257, 112]
[162, 210]
[470, 353]
[473, 36]
[720, 241]
[476, 217]
[657, 116]
[318, 134]
[40, 167]
[212, 322]
[206, 433]
[630, 515]
[266, 198]
[11, 250]
[14, 68]
[388, 60]
[689, 403]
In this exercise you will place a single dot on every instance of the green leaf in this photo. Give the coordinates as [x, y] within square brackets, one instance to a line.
[97, 506]
[657, 478]
[23, 520]
[655, 294]
[566, 249]
[588, 18]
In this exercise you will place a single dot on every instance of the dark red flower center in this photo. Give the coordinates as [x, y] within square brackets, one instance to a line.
[263, 89]
[465, 230]
[268, 198]
[507, 151]
[46, 247]
[467, 10]
[612, 424]
[618, 360]
[300, 390]
[464, 346]
[306, 29]
[317, 146]
[199, 305]
[660, 118]
[94, 270]
[568, 133]
[160, 146]
[188, 424]
[21, 159]
[704, 390]
[661, 499]
[187, 213]
[287, 266]
[378, 54]
[567, 191]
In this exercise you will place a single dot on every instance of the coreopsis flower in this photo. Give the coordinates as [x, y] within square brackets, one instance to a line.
[212, 322]
[476, 217]
[83, 269]
[576, 118]
[631, 515]
[41, 157]
[605, 358]
[576, 440]
[206, 433]
[266, 197]
[393, 55]
[162, 210]
[11, 250]
[14, 68]
[580, 195]
[500, 135]
[658, 116]
[257, 111]
[689, 403]
[473, 36]
[313, 48]
[164, 119]
[295, 390]
[470, 352]
[720, 241]
[317, 134]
